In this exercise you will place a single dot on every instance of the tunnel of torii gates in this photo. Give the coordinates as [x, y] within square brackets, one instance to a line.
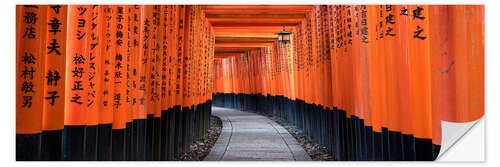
[137, 82]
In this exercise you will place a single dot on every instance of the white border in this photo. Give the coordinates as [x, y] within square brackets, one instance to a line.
[7, 64]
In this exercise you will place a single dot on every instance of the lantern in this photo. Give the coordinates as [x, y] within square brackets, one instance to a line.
[284, 36]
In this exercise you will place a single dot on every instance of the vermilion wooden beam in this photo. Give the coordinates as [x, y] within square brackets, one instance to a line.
[254, 26]
[231, 49]
[267, 11]
[244, 44]
[248, 35]
[257, 9]
[242, 28]
[251, 43]
[260, 19]
[236, 24]
[224, 52]
[244, 39]
[256, 22]
[250, 32]
[255, 15]
[225, 55]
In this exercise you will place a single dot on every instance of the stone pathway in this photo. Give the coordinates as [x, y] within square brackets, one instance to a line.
[251, 137]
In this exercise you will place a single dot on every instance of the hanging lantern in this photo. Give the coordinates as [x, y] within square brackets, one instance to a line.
[284, 36]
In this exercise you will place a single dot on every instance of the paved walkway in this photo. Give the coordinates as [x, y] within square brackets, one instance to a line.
[247, 137]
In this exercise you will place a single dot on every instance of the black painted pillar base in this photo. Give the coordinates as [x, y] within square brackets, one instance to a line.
[118, 145]
[178, 130]
[74, 143]
[104, 141]
[156, 138]
[52, 142]
[91, 142]
[128, 142]
[28, 147]
[149, 137]
[171, 133]
[140, 137]
[164, 135]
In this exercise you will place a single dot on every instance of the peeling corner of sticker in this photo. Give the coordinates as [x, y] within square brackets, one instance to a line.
[451, 132]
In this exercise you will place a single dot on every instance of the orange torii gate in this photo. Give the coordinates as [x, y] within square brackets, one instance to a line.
[341, 59]
[116, 87]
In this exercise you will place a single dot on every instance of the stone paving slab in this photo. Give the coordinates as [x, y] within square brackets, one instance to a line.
[251, 137]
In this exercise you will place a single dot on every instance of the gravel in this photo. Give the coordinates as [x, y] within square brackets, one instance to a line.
[200, 148]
